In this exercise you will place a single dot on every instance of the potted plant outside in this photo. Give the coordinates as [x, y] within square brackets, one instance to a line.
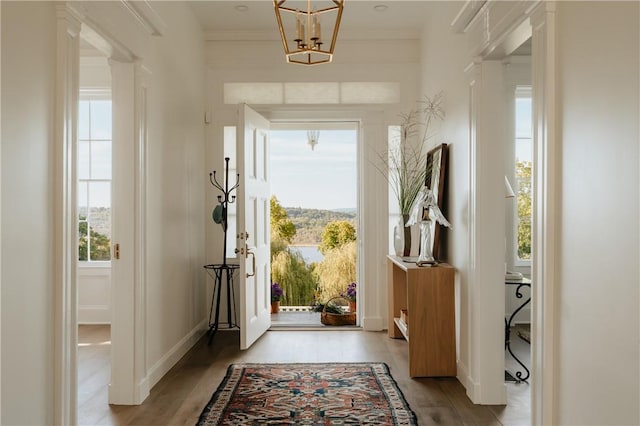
[276, 295]
[350, 294]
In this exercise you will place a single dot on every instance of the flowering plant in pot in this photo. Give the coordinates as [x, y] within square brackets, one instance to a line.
[350, 294]
[276, 295]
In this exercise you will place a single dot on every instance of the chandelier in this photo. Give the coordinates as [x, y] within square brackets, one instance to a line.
[301, 30]
[312, 138]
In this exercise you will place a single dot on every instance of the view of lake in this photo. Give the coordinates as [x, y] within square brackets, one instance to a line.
[309, 253]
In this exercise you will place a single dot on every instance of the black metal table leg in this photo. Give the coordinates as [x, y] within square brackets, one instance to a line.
[220, 272]
[520, 375]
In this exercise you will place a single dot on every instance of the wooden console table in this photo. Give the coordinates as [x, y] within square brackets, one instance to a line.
[427, 293]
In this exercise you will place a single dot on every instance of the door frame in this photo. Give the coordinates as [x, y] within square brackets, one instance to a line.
[68, 27]
[70, 23]
[546, 180]
[343, 124]
[129, 382]
[485, 45]
[372, 206]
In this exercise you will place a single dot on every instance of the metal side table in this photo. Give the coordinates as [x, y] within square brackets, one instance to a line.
[520, 376]
[222, 272]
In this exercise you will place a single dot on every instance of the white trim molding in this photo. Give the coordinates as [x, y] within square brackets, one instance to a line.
[545, 207]
[146, 16]
[128, 360]
[164, 364]
[97, 36]
[489, 24]
[65, 261]
[142, 84]
[486, 227]
[467, 15]
[1, 286]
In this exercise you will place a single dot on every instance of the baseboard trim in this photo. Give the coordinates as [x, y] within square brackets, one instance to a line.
[164, 364]
[142, 391]
[474, 389]
[465, 379]
[373, 324]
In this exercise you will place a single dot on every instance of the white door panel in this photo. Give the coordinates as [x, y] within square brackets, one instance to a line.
[253, 226]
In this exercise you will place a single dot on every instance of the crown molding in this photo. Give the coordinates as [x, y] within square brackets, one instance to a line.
[269, 35]
[467, 15]
[98, 37]
[146, 16]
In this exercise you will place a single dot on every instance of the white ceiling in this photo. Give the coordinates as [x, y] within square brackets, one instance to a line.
[359, 16]
[398, 19]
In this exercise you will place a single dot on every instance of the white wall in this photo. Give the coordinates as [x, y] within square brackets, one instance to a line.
[28, 58]
[444, 60]
[94, 294]
[175, 299]
[263, 61]
[175, 229]
[597, 376]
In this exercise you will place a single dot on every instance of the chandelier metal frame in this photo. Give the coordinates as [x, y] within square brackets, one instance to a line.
[308, 44]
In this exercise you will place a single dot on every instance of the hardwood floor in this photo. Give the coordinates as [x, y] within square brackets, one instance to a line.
[180, 396]
[94, 345]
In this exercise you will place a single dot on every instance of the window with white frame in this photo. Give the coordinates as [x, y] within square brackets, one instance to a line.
[94, 179]
[523, 176]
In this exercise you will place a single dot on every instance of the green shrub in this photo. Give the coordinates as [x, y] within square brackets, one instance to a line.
[336, 234]
[336, 271]
[295, 277]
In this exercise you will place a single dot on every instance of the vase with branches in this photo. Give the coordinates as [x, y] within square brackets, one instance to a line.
[404, 165]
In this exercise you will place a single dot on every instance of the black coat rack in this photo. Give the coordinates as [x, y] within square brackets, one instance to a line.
[223, 269]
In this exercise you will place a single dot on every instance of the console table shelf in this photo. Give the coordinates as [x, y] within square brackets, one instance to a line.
[427, 293]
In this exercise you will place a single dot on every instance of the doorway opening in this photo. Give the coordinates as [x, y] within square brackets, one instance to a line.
[314, 222]
[93, 223]
[519, 192]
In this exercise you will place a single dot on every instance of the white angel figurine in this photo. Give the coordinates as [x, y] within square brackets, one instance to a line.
[424, 210]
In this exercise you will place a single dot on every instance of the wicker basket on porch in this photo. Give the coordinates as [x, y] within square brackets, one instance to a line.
[329, 318]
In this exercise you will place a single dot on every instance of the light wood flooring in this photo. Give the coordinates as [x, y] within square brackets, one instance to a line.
[180, 396]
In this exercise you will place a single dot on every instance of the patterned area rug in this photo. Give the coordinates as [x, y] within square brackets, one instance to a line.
[308, 394]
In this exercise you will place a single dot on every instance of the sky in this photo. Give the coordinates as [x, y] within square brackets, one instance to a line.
[94, 159]
[323, 178]
[524, 150]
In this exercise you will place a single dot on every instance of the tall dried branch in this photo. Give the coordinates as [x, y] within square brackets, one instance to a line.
[404, 164]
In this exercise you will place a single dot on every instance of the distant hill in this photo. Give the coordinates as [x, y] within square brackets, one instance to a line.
[311, 222]
[350, 210]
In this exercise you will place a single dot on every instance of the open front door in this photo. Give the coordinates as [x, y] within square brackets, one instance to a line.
[254, 233]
